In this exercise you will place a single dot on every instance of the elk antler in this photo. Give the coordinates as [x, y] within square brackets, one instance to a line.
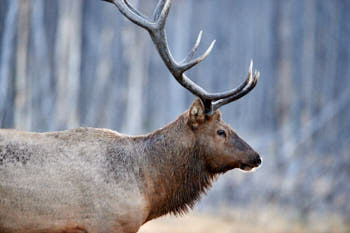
[156, 28]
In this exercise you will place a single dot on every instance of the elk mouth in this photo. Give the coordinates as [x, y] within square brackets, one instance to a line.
[246, 167]
[249, 167]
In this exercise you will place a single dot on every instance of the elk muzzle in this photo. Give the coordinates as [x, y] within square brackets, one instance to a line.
[254, 161]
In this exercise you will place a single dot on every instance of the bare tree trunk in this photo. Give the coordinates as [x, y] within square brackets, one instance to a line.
[9, 34]
[68, 46]
[307, 64]
[43, 94]
[22, 111]
[136, 61]
[97, 110]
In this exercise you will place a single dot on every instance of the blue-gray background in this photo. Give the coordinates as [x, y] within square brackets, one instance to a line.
[65, 64]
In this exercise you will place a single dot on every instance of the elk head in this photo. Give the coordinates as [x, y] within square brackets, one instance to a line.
[224, 149]
[220, 147]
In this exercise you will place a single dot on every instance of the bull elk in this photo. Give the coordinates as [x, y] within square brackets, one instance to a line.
[99, 181]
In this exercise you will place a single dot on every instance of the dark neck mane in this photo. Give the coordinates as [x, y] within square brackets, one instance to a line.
[176, 174]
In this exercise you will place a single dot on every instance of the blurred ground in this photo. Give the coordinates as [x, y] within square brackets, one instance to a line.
[246, 221]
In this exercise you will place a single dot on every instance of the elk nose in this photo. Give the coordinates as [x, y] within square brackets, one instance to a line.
[258, 160]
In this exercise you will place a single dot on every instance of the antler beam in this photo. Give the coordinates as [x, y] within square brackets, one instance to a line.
[156, 29]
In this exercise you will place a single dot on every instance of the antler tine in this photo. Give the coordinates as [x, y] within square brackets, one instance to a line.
[196, 61]
[135, 11]
[232, 92]
[217, 104]
[132, 14]
[158, 9]
[161, 19]
[194, 49]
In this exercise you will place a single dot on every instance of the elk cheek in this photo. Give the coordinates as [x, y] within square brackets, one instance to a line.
[222, 163]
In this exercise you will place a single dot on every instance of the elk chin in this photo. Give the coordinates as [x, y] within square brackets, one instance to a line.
[246, 168]
[222, 168]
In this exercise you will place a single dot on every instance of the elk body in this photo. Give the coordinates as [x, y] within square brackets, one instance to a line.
[99, 181]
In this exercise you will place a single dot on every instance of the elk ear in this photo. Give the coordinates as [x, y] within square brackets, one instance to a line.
[196, 114]
[218, 115]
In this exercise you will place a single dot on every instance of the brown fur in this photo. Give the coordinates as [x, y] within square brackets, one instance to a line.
[96, 180]
[67, 229]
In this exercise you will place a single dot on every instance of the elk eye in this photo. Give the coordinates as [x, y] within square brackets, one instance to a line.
[221, 133]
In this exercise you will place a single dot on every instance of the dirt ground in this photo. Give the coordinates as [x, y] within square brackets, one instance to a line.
[236, 222]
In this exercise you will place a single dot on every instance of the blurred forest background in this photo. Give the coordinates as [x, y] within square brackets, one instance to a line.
[65, 64]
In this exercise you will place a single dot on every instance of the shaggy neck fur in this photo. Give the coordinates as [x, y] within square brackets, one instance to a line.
[176, 171]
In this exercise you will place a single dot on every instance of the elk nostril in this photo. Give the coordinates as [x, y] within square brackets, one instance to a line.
[258, 160]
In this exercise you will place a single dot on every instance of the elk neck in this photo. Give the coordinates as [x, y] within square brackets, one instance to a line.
[174, 169]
